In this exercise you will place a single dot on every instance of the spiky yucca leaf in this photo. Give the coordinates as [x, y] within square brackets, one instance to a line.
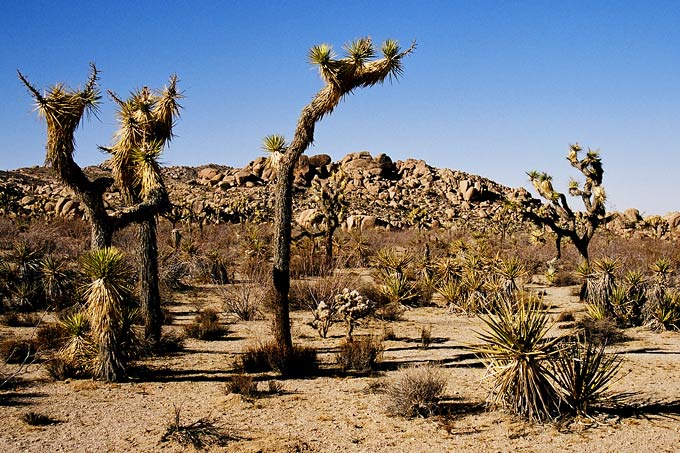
[515, 349]
[78, 348]
[391, 260]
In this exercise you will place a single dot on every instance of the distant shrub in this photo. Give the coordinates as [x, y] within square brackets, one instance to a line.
[241, 384]
[37, 419]
[360, 354]
[206, 326]
[15, 350]
[14, 319]
[301, 362]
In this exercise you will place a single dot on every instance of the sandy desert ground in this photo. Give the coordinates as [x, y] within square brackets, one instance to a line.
[338, 412]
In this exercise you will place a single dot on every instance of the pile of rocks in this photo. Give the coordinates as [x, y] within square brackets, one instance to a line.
[380, 193]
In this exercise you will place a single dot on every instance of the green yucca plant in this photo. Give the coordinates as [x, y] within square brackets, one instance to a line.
[449, 289]
[511, 271]
[55, 278]
[516, 350]
[106, 296]
[397, 288]
[393, 262]
[78, 349]
[584, 373]
[667, 313]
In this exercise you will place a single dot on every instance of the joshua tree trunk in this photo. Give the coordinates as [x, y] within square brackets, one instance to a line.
[149, 291]
[283, 212]
[341, 76]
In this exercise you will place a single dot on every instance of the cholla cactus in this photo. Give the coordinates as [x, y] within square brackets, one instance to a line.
[352, 306]
[324, 316]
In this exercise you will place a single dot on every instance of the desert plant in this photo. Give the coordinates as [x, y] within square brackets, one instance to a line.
[206, 326]
[107, 297]
[17, 350]
[584, 373]
[241, 384]
[511, 271]
[341, 76]
[352, 306]
[425, 336]
[198, 434]
[415, 391]
[579, 227]
[516, 351]
[359, 354]
[301, 361]
[55, 279]
[33, 418]
[329, 196]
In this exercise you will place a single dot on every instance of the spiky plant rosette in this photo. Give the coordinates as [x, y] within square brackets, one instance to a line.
[78, 349]
[106, 295]
[516, 351]
[584, 373]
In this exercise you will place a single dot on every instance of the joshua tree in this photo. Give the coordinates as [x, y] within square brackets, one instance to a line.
[357, 69]
[63, 109]
[558, 216]
[146, 120]
[146, 126]
[330, 198]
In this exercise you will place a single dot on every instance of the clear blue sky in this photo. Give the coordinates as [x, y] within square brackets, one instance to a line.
[495, 88]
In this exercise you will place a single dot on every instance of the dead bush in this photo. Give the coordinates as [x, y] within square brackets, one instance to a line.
[360, 354]
[263, 357]
[416, 391]
[206, 326]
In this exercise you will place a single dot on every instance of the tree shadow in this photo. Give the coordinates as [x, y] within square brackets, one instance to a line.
[9, 399]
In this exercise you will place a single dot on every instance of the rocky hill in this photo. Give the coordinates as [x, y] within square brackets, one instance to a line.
[380, 192]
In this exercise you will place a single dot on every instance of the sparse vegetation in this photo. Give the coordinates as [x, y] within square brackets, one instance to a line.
[416, 391]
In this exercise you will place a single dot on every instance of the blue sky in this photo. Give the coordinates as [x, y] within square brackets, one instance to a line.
[494, 88]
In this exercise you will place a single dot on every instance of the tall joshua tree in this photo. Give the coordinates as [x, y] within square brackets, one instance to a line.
[63, 110]
[558, 216]
[146, 121]
[329, 196]
[357, 69]
[146, 126]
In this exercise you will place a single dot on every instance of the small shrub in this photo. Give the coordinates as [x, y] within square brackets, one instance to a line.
[360, 354]
[206, 326]
[352, 306]
[61, 369]
[243, 300]
[416, 391]
[301, 362]
[14, 319]
[14, 350]
[50, 336]
[425, 337]
[565, 316]
[37, 419]
[198, 434]
[242, 384]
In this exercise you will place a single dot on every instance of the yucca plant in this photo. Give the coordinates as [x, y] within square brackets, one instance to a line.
[511, 271]
[517, 352]
[473, 297]
[584, 373]
[78, 350]
[106, 295]
[656, 291]
[666, 315]
[55, 279]
[397, 288]
[389, 260]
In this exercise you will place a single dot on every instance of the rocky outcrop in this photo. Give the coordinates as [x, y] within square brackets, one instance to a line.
[381, 193]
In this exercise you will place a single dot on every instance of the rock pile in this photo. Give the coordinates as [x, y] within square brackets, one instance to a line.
[380, 192]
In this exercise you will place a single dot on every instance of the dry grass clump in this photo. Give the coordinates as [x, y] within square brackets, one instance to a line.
[206, 326]
[360, 354]
[241, 384]
[416, 391]
[264, 357]
[14, 319]
[199, 434]
[37, 419]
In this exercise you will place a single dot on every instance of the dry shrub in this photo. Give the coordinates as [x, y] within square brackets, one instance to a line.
[37, 419]
[15, 350]
[263, 357]
[198, 434]
[416, 391]
[50, 336]
[14, 319]
[61, 369]
[206, 326]
[241, 384]
[360, 354]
